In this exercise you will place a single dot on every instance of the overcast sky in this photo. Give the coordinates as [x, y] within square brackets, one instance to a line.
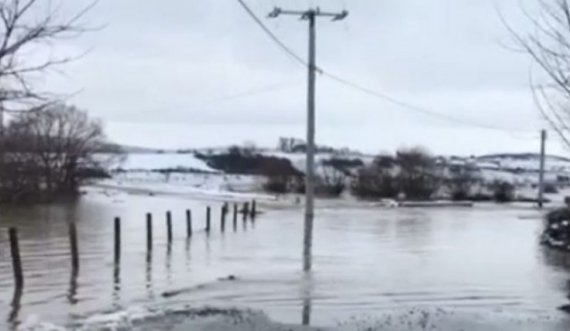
[188, 73]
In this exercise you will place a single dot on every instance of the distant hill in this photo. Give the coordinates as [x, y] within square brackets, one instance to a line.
[111, 148]
[136, 149]
[521, 156]
[526, 162]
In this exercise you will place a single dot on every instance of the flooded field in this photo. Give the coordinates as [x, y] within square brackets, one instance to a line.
[474, 268]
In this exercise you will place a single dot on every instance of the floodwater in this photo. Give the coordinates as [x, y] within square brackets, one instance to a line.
[481, 267]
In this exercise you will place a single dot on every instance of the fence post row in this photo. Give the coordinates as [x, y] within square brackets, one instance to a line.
[15, 249]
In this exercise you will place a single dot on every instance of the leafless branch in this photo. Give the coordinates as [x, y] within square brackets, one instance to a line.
[22, 31]
[548, 45]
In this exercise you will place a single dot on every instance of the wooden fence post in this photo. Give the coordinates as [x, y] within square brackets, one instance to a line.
[73, 246]
[117, 240]
[245, 211]
[169, 226]
[16, 260]
[149, 232]
[208, 215]
[188, 223]
[223, 218]
[235, 215]
[253, 209]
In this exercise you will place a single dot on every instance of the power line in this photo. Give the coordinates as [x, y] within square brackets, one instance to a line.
[252, 92]
[366, 90]
[229, 97]
[270, 33]
[409, 106]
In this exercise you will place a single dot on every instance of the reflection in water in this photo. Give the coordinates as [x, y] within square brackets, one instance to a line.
[148, 273]
[208, 249]
[367, 260]
[559, 260]
[306, 318]
[307, 294]
[116, 283]
[72, 292]
[168, 262]
[16, 304]
[187, 251]
[414, 230]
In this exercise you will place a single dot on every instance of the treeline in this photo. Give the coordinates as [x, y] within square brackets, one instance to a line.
[49, 151]
[415, 174]
[46, 148]
[411, 174]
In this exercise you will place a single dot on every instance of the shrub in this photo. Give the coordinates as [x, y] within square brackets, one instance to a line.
[50, 152]
[330, 181]
[277, 184]
[417, 176]
[239, 161]
[461, 180]
[343, 164]
[503, 192]
[550, 188]
[385, 161]
[374, 182]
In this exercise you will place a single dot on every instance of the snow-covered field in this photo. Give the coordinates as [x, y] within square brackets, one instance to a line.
[148, 173]
[299, 160]
[196, 186]
[526, 162]
[162, 161]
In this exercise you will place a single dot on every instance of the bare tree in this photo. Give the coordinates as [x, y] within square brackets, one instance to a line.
[417, 176]
[330, 181]
[27, 27]
[461, 180]
[49, 151]
[548, 43]
[376, 180]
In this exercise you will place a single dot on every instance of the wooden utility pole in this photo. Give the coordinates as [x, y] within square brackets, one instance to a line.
[310, 15]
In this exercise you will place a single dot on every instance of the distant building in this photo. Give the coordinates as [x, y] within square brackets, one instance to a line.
[291, 145]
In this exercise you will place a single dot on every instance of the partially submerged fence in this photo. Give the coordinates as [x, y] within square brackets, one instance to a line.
[248, 212]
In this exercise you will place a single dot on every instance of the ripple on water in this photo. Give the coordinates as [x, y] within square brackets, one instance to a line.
[367, 262]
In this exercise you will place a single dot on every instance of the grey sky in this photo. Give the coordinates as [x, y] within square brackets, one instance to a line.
[158, 74]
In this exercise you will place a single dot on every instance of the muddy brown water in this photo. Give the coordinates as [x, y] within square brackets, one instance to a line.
[368, 263]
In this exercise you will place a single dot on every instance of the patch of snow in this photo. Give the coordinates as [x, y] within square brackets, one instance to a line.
[298, 160]
[158, 161]
[197, 186]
